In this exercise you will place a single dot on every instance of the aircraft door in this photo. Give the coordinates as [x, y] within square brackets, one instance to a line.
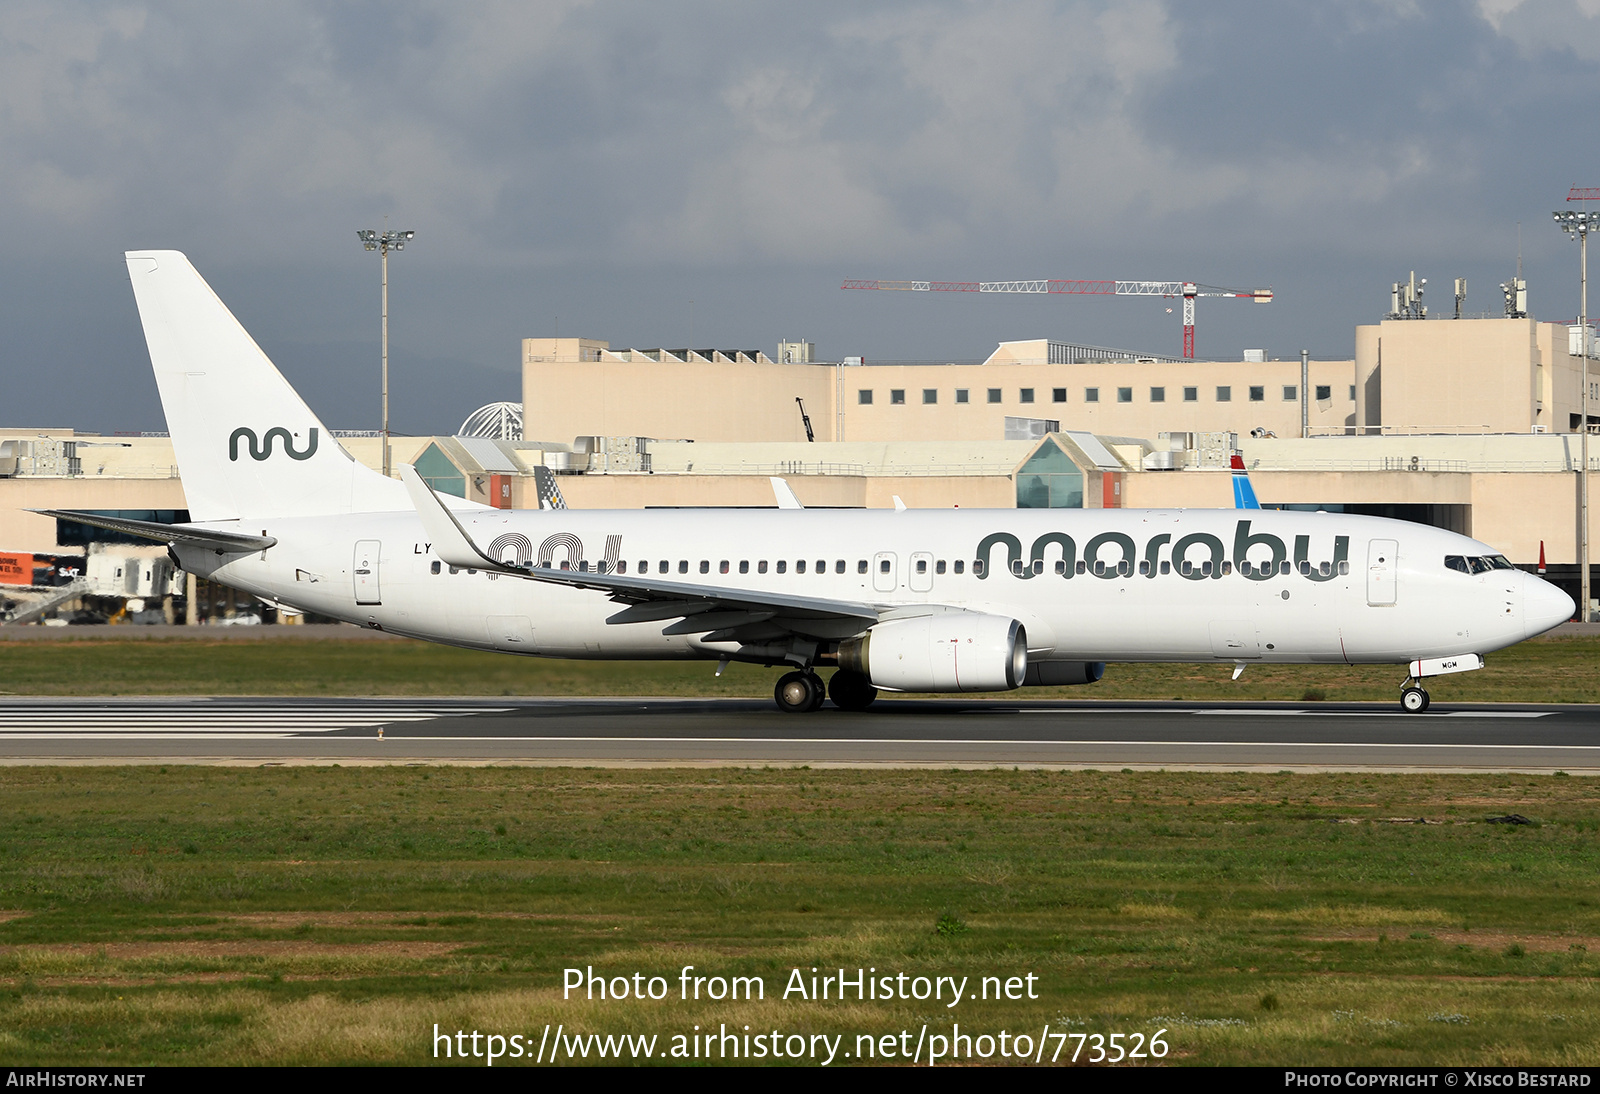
[1382, 559]
[921, 575]
[884, 575]
[366, 572]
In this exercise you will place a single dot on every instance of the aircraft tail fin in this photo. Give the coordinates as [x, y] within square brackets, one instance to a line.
[1244, 495]
[247, 445]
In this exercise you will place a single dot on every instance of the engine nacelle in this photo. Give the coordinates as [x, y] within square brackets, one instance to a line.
[1063, 673]
[949, 651]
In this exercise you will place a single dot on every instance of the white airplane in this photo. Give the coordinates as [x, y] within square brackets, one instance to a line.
[958, 600]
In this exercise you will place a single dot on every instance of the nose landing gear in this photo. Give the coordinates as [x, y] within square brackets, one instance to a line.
[1413, 697]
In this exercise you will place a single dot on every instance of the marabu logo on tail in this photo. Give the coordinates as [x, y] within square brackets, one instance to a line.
[264, 450]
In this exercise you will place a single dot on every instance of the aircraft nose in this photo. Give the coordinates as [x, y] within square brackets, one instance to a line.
[1543, 605]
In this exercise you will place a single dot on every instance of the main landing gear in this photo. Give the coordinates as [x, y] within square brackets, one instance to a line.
[804, 692]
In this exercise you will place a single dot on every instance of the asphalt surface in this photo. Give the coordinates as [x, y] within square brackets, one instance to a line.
[895, 733]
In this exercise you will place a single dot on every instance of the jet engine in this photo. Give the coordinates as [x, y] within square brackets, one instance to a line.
[949, 651]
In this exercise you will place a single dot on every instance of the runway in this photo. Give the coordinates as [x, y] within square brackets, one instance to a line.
[895, 733]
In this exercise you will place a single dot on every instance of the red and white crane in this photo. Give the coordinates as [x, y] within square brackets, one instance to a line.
[1188, 290]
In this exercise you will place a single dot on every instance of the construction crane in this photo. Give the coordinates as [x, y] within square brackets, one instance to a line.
[1188, 290]
[805, 418]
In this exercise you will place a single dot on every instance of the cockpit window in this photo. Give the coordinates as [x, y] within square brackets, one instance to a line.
[1457, 562]
[1479, 565]
[1501, 562]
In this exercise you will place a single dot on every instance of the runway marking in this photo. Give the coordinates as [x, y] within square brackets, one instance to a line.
[1380, 713]
[978, 741]
[151, 722]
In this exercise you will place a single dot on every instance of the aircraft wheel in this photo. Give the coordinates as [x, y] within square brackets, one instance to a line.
[797, 692]
[851, 690]
[819, 692]
[1414, 700]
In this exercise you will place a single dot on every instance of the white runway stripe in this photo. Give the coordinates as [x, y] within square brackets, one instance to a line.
[156, 721]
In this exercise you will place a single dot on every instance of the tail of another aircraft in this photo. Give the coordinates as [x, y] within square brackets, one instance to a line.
[247, 445]
[1244, 495]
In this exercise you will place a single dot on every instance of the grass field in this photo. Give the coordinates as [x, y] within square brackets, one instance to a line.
[1553, 670]
[327, 915]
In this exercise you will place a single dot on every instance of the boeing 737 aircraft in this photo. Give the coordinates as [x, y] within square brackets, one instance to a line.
[959, 600]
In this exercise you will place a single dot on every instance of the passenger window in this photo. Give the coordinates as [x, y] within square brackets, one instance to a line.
[622, 567]
[761, 567]
[1166, 567]
[583, 565]
[961, 564]
[822, 566]
[722, 567]
[838, 567]
[800, 566]
[1458, 563]
[644, 566]
[1016, 567]
[1283, 567]
[922, 565]
[705, 566]
[938, 567]
[744, 566]
[1144, 568]
[1038, 566]
[1125, 568]
[783, 565]
[883, 567]
[1083, 567]
[1344, 567]
[1099, 567]
[1304, 568]
[683, 565]
[977, 567]
[861, 566]
[1227, 567]
[434, 568]
[1061, 566]
[456, 569]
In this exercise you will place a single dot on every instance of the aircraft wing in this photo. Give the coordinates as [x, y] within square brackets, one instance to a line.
[741, 615]
[211, 538]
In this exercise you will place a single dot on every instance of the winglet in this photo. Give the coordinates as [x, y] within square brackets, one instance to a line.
[1244, 495]
[450, 541]
[785, 496]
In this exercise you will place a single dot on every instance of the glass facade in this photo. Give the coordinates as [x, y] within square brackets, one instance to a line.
[1049, 480]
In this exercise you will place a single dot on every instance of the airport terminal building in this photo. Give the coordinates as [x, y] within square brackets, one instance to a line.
[1467, 424]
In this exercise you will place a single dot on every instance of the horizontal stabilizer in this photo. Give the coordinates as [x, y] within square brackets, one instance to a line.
[237, 542]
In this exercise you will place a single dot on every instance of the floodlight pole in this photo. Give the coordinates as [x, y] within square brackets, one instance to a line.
[1578, 224]
[372, 241]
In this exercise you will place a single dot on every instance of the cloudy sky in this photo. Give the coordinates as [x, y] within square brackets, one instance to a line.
[707, 173]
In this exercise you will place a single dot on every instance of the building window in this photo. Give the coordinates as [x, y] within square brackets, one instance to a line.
[1224, 394]
[1324, 392]
[961, 395]
[929, 396]
[864, 397]
[897, 396]
[1025, 395]
[1352, 393]
[994, 395]
[1091, 395]
[1158, 395]
[1191, 395]
[1291, 392]
[1124, 394]
[1058, 395]
[1258, 393]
